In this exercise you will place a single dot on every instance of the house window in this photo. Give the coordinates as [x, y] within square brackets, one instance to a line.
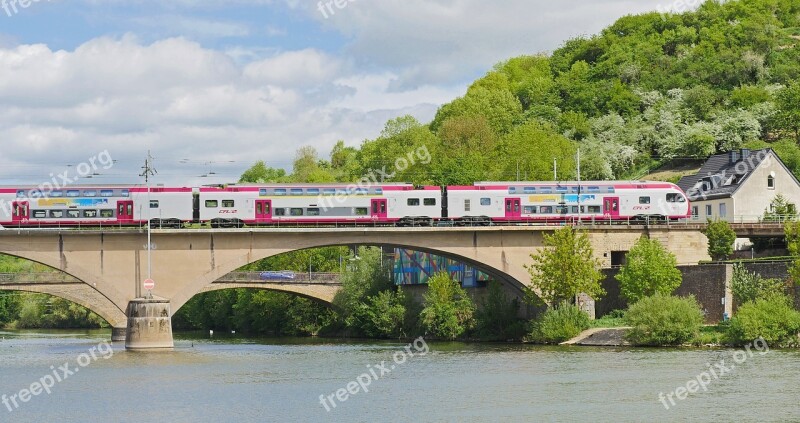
[770, 182]
[695, 211]
[723, 210]
[413, 202]
[709, 211]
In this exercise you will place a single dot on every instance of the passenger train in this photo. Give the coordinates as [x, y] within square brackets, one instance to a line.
[482, 203]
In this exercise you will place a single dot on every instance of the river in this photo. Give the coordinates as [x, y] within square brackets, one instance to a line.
[263, 380]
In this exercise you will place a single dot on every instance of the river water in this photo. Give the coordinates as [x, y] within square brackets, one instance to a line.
[227, 379]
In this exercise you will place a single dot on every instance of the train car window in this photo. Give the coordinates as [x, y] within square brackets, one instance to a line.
[74, 214]
[329, 191]
[361, 211]
[644, 200]
[529, 209]
[35, 194]
[575, 209]
[486, 201]
[56, 193]
[413, 202]
[546, 190]
[467, 205]
[561, 189]
[21, 194]
[40, 214]
[594, 209]
[313, 191]
[297, 191]
[262, 192]
[546, 209]
[296, 212]
[72, 193]
[280, 212]
[126, 193]
[561, 209]
[258, 208]
[228, 204]
[280, 191]
[312, 212]
[57, 214]
[106, 193]
[107, 213]
[594, 189]
[530, 190]
[90, 193]
[512, 190]
[362, 191]
[212, 204]
[153, 204]
[89, 213]
[575, 190]
[430, 202]
[267, 209]
[379, 191]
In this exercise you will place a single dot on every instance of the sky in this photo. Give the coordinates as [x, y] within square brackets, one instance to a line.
[211, 86]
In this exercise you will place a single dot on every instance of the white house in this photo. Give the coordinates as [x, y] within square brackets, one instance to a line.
[739, 186]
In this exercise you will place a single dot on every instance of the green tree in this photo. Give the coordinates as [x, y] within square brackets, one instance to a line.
[788, 102]
[565, 267]
[364, 276]
[749, 286]
[496, 317]
[649, 269]
[383, 315]
[448, 310]
[779, 210]
[792, 232]
[720, 239]
[260, 173]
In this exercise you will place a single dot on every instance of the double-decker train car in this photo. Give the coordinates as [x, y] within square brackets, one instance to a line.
[106, 205]
[498, 202]
[281, 204]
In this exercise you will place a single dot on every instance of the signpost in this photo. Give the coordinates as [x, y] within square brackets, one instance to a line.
[149, 285]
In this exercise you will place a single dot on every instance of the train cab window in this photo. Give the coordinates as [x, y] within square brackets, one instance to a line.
[413, 202]
[57, 214]
[107, 213]
[228, 204]
[280, 212]
[361, 211]
[296, 212]
[486, 201]
[88, 214]
[40, 214]
[312, 212]
[73, 214]
[280, 191]
[546, 210]
[675, 198]
[430, 202]
[90, 193]
[57, 193]
[529, 210]
[72, 193]
[153, 204]
[467, 205]
[644, 200]
[106, 193]
[212, 204]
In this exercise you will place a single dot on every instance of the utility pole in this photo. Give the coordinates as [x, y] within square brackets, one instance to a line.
[579, 185]
[555, 170]
[148, 171]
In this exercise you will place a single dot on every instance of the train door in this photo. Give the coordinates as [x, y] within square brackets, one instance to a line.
[379, 209]
[513, 208]
[125, 211]
[611, 207]
[263, 211]
[20, 211]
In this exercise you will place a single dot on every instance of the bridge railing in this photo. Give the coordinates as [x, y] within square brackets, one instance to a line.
[289, 278]
[36, 277]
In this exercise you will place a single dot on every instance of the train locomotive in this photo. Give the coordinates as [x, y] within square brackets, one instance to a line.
[400, 204]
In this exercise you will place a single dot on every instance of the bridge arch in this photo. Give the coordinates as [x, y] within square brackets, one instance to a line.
[81, 294]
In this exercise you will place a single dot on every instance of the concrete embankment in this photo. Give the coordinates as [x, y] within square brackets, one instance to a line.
[609, 337]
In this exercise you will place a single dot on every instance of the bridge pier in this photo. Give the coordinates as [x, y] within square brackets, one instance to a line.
[118, 334]
[149, 324]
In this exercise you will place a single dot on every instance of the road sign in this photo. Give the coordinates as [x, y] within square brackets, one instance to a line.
[149, 284]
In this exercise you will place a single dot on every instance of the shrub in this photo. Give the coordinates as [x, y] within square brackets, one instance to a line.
[771, 318]
[749, 286]
[448, 311]
[560, 324]
[664, 320]
[649, 269]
